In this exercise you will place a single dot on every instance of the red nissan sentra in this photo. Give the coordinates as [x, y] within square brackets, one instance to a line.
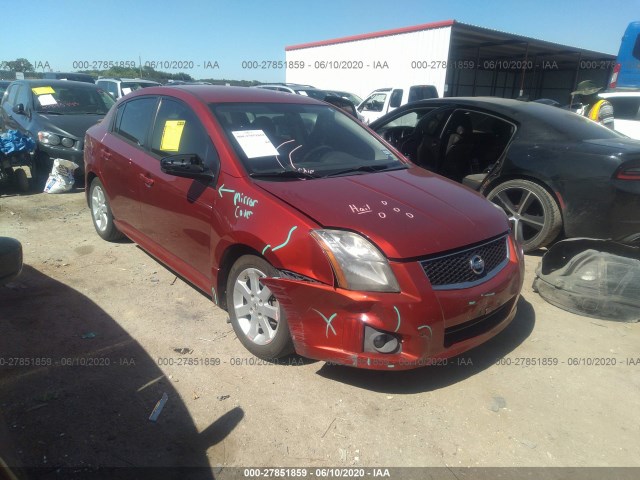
[314, 234]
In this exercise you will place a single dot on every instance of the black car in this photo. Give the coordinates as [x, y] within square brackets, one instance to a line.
[3, 87]
[555, 173]
[56, 114]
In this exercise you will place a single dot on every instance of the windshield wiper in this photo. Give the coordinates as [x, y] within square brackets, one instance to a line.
[49, 112]
[368, 169]
[283, 174]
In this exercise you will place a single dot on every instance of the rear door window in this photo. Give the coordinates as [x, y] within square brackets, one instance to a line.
[422, 92]
[134, 118]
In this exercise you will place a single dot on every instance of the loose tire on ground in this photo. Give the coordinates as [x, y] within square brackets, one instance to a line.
[256, 316]
[10, 259]
[534, 210]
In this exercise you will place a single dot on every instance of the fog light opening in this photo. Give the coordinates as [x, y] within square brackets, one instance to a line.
[379, 341]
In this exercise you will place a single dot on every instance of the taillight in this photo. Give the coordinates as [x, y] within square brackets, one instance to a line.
[614, 76]
[632, 173]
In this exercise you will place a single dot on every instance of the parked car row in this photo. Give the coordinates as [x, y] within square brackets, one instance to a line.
[399, 266]
[56, 115]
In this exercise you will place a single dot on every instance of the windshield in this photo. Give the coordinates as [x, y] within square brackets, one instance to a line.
[71, 99]
[128, 87]
[313, 93]
[548, 123]
[301, 141]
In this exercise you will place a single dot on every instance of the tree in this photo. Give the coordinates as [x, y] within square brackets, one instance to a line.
[18, 65]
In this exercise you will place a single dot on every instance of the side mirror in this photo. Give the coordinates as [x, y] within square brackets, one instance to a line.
[19, 109]
[187, 165]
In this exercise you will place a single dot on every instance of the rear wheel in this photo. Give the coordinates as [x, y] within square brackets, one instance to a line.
[22, 182]
[256, 315]
[101, 212]
[533, 210]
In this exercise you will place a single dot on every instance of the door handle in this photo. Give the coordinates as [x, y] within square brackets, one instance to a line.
[106, 154]
[147, 180]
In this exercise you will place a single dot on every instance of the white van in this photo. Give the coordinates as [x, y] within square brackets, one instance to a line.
[384, 100]
[626, 112]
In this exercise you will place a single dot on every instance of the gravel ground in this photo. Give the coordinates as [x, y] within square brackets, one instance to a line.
[104, 331]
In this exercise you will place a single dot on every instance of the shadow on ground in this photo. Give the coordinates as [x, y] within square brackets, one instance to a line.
[76, 393]
[456, 369]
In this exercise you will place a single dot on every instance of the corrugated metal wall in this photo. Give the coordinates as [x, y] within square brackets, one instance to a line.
[364, 65]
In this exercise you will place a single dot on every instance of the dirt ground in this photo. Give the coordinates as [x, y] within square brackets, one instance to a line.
[103, 331]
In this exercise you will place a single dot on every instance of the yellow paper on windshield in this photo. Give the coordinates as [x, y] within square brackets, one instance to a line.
[171, 135]
[43, 90]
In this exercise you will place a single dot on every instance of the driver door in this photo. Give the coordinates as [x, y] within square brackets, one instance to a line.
[177, 212]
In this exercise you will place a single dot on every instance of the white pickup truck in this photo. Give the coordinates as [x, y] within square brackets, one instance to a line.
[384, 100]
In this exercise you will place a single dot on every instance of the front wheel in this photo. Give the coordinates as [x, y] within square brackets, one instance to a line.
[256, 316]
[101, 212]
[532, 209]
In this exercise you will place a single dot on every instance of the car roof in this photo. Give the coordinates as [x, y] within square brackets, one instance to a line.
[504, 106]
[224, 94]
[127, 79]
[51, 82]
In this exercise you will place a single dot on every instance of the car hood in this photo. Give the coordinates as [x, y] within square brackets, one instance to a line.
[70, 125]
[406, 213]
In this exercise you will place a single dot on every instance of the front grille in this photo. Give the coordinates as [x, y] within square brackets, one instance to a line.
[477, 326]
[454, 270]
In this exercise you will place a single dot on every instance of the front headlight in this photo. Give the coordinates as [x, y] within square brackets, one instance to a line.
[357, 263]
[48, 138]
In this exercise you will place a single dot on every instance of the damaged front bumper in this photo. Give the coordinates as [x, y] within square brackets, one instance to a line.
[399, 331]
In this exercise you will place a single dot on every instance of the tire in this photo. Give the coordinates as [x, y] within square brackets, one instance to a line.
[256, 316]
[10, 259]
[21, 180]
[533, 209]
[101, 213]
[42, 166]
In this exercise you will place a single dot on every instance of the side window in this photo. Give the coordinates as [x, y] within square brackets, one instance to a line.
[636, 48]
[396, 98]
[178, 131]
[24, 96]
[109, 87]
[12, 93]
[133, 119]
[375, 103]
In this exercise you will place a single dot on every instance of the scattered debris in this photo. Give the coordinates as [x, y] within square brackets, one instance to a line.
[592, 278]
[528, 444]
[223, 397]
[327, 430]
[157, 410]
[89, 335]
[216, 338]
[195, 396]
[498, 403]
[343, 454]
[174, 280]
[183, 351]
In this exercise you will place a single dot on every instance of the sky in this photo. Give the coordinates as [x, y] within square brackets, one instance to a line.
[215, 37]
